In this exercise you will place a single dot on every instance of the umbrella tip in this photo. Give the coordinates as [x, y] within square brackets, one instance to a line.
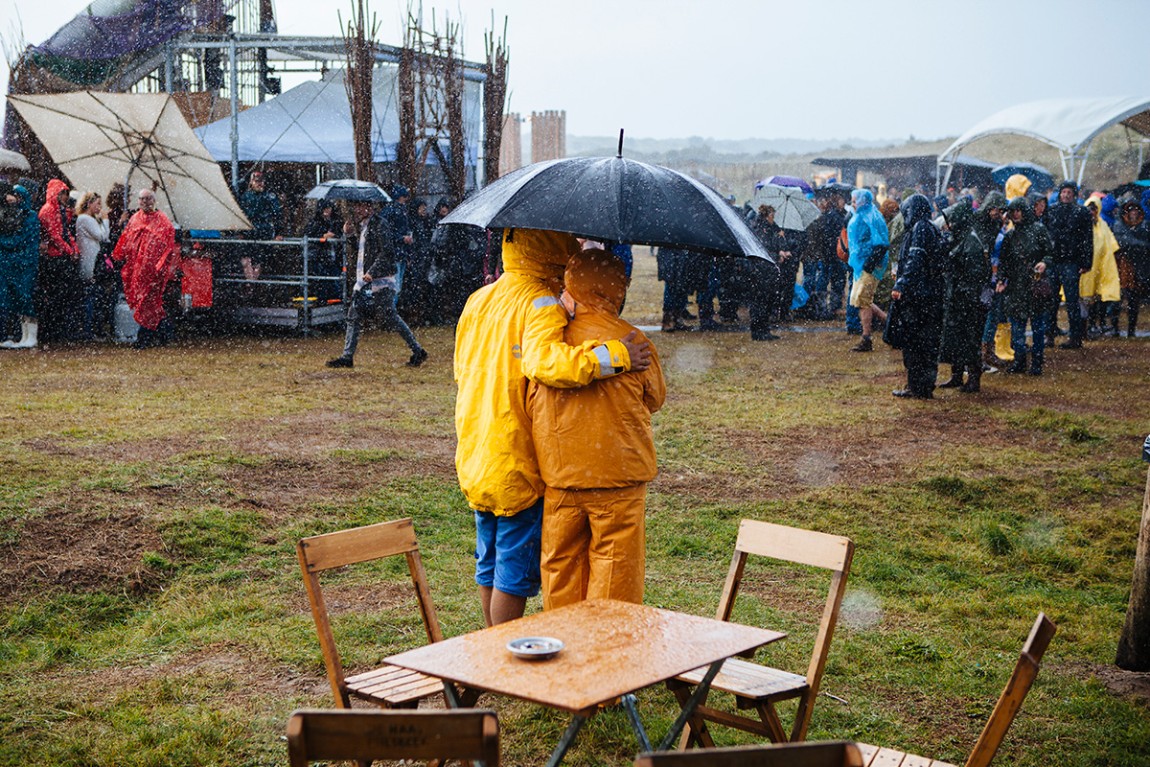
[620, 155]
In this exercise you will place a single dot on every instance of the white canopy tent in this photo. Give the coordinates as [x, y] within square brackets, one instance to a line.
[311, 123]
[1068, 125]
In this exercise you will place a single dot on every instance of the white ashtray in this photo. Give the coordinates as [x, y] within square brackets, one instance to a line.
[535, 648]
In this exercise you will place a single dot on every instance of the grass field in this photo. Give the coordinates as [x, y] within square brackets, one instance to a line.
[152, 611]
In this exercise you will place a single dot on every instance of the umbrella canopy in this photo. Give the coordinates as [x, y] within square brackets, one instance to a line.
[792, 209]
[350, 189]
[1040, 177]
[140, 140]
[785, 181]
[10, 160]
[611, 198]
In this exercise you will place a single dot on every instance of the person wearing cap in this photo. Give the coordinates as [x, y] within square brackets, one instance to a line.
[1072, 231]
[510, 332]
[596, 451]
[989, 222]
[1132, 231]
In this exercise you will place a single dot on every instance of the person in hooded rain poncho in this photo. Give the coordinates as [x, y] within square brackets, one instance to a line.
[915, 323]
[19, 264]
[869, 241]
[1028, 293]
[150, 256]
[967, 299]
[511, 331]
[596, 452]
[1099, 290]
[1132, 230]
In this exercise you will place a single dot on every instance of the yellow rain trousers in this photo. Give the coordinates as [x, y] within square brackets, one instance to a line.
[510, 331]
[596, 455]
[1002, 347]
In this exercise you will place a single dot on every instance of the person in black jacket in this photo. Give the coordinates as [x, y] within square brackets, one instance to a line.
[1072, 231]
[915, 319]
[1132, 231]
[376, 285]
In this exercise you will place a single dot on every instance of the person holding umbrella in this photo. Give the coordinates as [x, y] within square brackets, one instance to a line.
[511, 331]
[376, 285]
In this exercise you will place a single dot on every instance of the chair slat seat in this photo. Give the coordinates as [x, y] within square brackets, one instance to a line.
[391, 686]
[874, 756]
[745, 679]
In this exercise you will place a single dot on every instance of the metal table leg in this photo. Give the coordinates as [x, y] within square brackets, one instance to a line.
[565, 742]
[628, 702]
[699, 694]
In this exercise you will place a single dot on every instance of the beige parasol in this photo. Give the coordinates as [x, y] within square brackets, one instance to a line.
[10, 160]
[140, 140]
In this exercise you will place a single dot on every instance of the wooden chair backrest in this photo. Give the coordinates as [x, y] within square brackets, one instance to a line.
[805, 547]
[349, 547]
[1010, 701]
[369, 734]
[815, 754]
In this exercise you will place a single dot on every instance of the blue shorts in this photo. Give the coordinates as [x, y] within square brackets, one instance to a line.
[507, 550]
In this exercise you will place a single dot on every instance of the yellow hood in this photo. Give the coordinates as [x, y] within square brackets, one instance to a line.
[1017, 186]
[538, 253]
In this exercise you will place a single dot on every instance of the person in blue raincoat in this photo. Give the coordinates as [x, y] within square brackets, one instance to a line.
[19, 264]
[869, 241]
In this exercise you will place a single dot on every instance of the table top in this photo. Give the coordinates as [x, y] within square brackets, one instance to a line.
[611, 648]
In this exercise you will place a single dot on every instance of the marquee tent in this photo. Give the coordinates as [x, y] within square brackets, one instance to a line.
[1068, 125]
[311, 123]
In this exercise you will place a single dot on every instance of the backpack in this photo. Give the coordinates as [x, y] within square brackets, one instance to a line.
[842, 246]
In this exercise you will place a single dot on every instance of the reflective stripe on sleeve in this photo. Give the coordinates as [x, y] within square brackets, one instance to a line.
[603, 354]
[544, 301]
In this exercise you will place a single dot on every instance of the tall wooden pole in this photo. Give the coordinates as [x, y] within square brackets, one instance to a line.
[1134, 644]
[359, 45]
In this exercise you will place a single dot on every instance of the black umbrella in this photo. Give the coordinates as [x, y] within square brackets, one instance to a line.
[611, 198]
[348, 189]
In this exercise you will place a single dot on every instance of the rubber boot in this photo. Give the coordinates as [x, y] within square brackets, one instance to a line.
[955, 378]
[1002, 348]
[29, 329]
[990, 363]
[1018, 366]
[973, 381]
[669, 322]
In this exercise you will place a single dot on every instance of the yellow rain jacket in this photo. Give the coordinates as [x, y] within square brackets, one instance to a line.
[1102, 279]
[509, 332]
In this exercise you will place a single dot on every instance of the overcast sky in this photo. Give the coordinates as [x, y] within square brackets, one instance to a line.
[730, 69]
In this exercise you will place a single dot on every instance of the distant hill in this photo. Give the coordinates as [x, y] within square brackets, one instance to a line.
[697, 147]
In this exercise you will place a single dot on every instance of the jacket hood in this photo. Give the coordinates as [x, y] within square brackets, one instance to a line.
[1016, 186]
[24, 195]
[55, 186]
[538, 253]
[596, 278]
[959, 215]
[1026, 206]
[915, 208]
[861, 198]
[994, 199]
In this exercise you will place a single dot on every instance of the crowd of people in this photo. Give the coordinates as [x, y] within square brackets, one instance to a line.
[960, 279]
[64, 267]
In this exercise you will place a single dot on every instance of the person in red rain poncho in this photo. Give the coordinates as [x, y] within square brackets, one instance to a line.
[150, 255]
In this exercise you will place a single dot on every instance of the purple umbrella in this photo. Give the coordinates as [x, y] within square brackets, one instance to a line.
[785, 181]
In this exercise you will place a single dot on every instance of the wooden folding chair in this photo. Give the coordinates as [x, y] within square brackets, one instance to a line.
[1000, 719]
[463, 734]
[760, 687]
[387, 686]
[823, 754]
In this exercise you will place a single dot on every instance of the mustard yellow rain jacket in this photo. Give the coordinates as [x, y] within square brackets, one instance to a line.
[1102, 279]
[509, 332]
